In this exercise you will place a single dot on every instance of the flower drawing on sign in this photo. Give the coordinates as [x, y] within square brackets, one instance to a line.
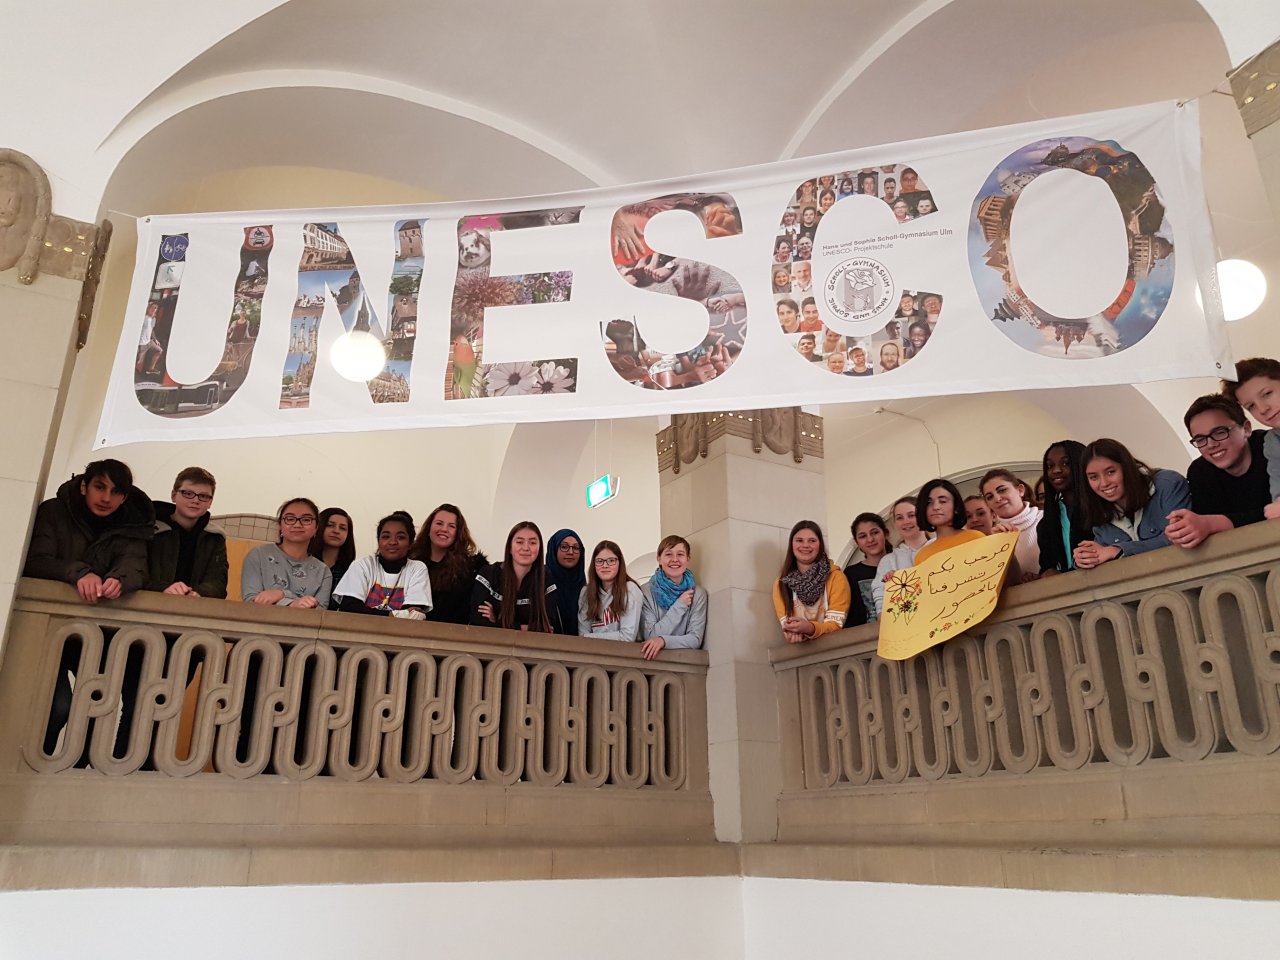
[512, 379]
[902, 594]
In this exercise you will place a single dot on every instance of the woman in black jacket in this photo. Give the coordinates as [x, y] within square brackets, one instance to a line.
[515, 594]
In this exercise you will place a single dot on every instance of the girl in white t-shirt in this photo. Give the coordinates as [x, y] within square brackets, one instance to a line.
[387, 583]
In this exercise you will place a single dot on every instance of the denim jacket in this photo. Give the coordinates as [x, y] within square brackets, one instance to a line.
[1169, 492]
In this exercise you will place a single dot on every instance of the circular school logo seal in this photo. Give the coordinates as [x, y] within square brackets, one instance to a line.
[858, 288]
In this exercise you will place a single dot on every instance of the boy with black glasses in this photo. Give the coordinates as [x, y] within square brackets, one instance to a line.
[188, 557]
[1229, 486]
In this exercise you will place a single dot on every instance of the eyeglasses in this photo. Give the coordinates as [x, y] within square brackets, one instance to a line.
[606, 561]
[289, 520]
[570, 548]
[191, 495]
[1217, 433]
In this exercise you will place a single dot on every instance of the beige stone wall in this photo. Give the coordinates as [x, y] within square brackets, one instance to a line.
[38, 328]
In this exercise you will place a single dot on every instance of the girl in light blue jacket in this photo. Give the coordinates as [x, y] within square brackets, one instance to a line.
[1126, 503]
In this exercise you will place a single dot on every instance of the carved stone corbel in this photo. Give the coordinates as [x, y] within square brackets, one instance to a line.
[35, 240]
[26, 207]
[786, 431]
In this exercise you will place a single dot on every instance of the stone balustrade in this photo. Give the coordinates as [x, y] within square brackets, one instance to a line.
[1136, 706]
[387, 728]
[1113, 675]
[1116, 729]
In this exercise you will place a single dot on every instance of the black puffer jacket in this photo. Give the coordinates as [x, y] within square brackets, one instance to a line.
[66, 544]
[209, 568]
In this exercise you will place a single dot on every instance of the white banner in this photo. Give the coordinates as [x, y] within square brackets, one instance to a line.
[886, 272]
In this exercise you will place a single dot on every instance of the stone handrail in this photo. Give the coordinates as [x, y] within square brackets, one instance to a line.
[1169, 654]
[599, 744]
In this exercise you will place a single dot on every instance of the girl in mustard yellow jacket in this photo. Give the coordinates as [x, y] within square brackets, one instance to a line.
[811, 597]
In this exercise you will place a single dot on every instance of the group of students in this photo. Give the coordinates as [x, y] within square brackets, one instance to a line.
[1093, 504]
[106, 538]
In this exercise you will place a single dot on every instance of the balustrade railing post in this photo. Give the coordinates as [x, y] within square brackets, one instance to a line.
[23, 669]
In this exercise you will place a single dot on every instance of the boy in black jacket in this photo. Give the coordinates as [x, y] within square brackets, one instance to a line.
[94, 534]
[188, 557]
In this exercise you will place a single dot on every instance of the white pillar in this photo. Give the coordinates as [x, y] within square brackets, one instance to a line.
[737, 493]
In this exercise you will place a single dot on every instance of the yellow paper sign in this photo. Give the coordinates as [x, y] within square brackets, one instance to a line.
[944, 596]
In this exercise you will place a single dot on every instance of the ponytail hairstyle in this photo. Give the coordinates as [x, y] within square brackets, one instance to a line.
[536, 579]
[1074, 452]
[1137, 482]
[1000, 473]
[456, 565]
[401, 517]
[346, 552]
[618, 603]
[875, 518]
[284, 508]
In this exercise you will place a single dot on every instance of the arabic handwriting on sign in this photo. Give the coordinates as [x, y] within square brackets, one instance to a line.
[953, 608]
[941, 573]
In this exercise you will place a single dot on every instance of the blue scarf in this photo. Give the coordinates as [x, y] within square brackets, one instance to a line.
[666, 592]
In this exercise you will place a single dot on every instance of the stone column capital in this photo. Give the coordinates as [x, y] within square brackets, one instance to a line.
[1255, 84]
[787, 431]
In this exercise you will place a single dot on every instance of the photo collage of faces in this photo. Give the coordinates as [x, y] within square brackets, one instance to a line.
[475, 289]
[1149, 281]
[159, 392]
[328, 267]
[794, 285]
[719, 293]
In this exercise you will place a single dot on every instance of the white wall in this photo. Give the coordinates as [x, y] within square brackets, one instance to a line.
[534, 920]
[822, 919]
[709, 918]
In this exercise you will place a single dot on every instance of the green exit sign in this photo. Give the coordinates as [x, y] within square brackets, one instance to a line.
[599, 491]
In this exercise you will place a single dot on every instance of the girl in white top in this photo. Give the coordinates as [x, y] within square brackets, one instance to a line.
[904, 554]
[387, 583]
[1010, 500]
[609, 606]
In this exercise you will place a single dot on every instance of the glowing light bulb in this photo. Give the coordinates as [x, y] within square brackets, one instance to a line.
[358, 356]
[1242, 287]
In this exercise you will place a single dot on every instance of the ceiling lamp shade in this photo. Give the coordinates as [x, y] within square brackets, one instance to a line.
[358, 356]
[1242, 286]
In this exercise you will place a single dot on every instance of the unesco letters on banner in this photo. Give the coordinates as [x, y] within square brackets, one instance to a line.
[880, 273]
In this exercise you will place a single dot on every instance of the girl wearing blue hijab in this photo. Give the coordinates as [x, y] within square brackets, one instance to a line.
[568, 571]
